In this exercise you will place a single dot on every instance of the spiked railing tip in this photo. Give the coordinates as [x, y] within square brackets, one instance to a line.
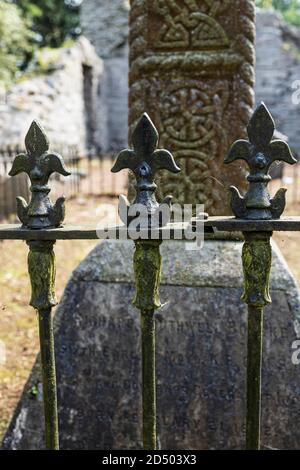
[259, 153]
[39, 164]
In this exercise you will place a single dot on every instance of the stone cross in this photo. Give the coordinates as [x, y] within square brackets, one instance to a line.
[191, 69]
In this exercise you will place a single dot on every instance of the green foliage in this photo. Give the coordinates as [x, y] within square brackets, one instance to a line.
[52, 20]
[290, 9]
[14, 39]
[33, 391]
[27, 27]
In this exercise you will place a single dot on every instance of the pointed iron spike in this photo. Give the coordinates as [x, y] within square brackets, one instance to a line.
[259, 153]
[39, 165]
[261, 127]
[123, 209]
[145, 136]
[36, 141]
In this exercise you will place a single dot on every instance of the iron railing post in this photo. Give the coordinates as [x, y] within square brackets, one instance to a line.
[145, 213]
[49, 379]
[147, 269]
[257, 257]
[257, 204]
[41, 268]
[41, 214]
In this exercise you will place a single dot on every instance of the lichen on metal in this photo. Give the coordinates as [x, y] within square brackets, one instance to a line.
[41, 268]
[259, 153]
[41, 214]
[257, 258]
[144, 161]
[147, 266]
[39, 164]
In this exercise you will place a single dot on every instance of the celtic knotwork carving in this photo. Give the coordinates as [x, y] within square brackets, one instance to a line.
[189, 24]
[187, 116]
[226, 74]
[191, 125]
[195, 182]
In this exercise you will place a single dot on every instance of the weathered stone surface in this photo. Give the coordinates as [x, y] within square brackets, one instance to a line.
[201, 340]
[105, 24]
[277, 69]
[112, 104]
[192, 70]
[57, 99]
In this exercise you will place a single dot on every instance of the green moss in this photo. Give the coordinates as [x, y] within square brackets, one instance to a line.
[46, 58]
[254, 364]
[41, 268]
[33, 391]
[257, 258]
[147, 269]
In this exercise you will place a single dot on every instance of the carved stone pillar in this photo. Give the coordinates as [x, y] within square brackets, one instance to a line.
[191, 70]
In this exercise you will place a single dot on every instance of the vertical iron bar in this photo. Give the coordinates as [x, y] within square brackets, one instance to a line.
[254, 368]
[144, 161]
[49, 378]
[148, 379]
[40, 213]
[257, 204]
[257, 258]
[147, 269]
[41, 268]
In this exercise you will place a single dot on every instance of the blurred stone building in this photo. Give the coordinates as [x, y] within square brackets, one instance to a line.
[82, 97]
[105, 24]
[278, 72]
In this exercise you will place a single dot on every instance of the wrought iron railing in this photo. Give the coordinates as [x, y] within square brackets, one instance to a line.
[90, 176]
[256, 215]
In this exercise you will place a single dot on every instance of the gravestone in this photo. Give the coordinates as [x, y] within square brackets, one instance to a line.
[191, 70]
[201, 355]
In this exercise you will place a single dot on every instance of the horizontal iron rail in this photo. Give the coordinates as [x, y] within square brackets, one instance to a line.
[94, 232]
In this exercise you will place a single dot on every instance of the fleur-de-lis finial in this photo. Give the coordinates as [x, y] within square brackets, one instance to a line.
[144, 161]
[260, 152]
[39, 165]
